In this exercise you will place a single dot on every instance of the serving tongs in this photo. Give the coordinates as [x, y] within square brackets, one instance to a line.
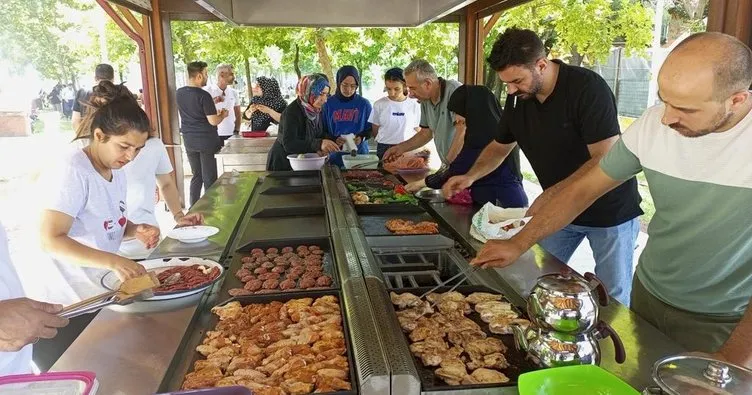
[464, 274]
[365, 164]
[137, 288]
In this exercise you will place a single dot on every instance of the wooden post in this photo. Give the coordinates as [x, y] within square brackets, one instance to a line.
[733, 17]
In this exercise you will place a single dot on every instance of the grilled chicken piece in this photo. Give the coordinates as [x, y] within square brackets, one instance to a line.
[488, 376]
[202, 378]
[404, 300]
[405, 227]
[486, 346]
[478, 297]
[503, 325]
[331, 384]
[462, 338]
[293, 387]
[452, 371]
[493, 305]
[328, 372]
[228, 311]
[451, 307]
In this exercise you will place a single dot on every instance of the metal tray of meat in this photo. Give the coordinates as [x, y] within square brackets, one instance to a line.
[265, 299]
[233, 282]
[288, 205]
[517, 359]
[375, 225]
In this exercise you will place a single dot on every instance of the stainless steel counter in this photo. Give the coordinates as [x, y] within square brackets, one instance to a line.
[131, 352]
[643, 343]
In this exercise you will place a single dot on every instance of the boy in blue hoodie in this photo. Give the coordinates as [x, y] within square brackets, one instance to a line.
[347, 113]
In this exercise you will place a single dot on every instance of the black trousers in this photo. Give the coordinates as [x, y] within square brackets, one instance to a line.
[204, 169]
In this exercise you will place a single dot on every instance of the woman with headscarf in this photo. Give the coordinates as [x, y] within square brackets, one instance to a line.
[347, 113]
[476, 115]
[301, 129]
[266, 104]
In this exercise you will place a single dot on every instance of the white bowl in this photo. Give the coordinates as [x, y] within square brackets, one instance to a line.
[351, 161]
[193, 234]
[308, 162]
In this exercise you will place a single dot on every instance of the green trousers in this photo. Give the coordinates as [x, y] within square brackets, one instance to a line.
[693, 331]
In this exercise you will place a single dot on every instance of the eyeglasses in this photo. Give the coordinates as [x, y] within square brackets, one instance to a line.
[348, 86]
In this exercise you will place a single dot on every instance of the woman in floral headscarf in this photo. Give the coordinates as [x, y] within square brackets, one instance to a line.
[266, 105]
[301, 129]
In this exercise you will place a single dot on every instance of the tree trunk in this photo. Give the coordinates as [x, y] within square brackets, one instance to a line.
[248, 83]
[324, 59]
[296, 62]
[576, 59]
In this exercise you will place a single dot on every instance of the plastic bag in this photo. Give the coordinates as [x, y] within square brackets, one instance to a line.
[463, 198]
[496, 223]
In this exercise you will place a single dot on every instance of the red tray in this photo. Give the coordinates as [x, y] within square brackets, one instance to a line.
[255, 133]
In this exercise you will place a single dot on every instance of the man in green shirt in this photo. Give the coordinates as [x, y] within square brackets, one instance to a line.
[694, 278]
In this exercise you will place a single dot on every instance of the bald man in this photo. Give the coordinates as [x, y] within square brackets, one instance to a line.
[694, 278]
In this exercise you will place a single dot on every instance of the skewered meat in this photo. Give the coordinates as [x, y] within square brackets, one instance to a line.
[405, 227]
[324, 281]
[478, 297]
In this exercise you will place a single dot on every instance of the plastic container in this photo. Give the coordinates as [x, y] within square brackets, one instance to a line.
[306, 162]
[55, 383]
[573, 380]
[351, 161]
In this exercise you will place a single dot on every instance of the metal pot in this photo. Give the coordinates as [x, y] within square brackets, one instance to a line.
[565, 302]
[697, 374]
[554, 349]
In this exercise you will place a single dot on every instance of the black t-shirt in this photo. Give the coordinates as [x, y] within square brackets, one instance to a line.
[554, 136]
[82, 96]
[194, 104]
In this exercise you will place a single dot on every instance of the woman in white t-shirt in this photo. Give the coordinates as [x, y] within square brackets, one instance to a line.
[394, 118]
[84, 218]
[150, 170]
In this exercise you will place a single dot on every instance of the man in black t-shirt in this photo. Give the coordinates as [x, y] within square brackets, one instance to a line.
[198, 125]
[103, 72]
[564, 119]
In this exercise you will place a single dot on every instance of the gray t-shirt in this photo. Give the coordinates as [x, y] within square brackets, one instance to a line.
[439, 119]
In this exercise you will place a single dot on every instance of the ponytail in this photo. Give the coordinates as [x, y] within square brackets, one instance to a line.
[113, 109]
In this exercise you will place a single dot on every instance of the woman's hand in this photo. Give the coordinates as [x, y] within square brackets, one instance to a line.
[147, 234]
[125, 268]
[190, 220]
[329, 146]
[263, 108]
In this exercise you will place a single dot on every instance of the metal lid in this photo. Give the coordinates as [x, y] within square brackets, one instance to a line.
[685, 374]
[564, 283]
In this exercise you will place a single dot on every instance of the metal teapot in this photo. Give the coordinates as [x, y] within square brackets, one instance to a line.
[554, 349]
[565, 302]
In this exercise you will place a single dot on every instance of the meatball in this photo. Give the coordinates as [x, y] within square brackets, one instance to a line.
[292, 276]
[272, 250]
[263, 259]
[306, 283]
[289, 255]
[270, 284]
[256, 251]
[251, 266]
[269, 276]
[297, 262]
[242, 273]
[301, 248]
[313, 258]
[324, 281]
[248, 278]
[239, 292]
[313, 248]
[268, 265]
[261, 270]
[272, 256]
[287, 250]
[253, 285]
[304, 253]
[298, 271]
[287, 284]
[279, 260]
[278, 269]
[247, 259]
[317, 252]
[265, 291]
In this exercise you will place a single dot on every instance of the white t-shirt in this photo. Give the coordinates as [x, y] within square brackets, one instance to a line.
[397, 120]
[10, 288]
[98, 208]
[227, 126]
[141, 175]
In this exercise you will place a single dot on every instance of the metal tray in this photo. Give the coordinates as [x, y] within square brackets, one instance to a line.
[268, 298]
[325, 243]
[295, 174]
[518, 361]
[288, 189]
[292, 184]
[273, 212]
[374, 225]
[279, 228]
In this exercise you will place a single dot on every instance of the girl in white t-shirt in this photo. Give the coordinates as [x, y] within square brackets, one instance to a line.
[394, 118]
[84, 216]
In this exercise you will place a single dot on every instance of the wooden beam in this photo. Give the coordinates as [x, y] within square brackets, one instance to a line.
[149, 52]
[490, 24]
[135, 24]
[732, 17]
[472, 27]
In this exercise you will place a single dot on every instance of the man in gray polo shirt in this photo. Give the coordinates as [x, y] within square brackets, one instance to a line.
[436, 121]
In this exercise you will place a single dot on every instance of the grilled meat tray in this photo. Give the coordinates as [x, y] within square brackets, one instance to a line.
[517, 359]
[268, 298]
[375, 225]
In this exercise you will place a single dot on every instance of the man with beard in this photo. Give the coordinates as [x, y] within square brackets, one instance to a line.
[225, 97]
[198, 125]
[694, 278]
[564, 119]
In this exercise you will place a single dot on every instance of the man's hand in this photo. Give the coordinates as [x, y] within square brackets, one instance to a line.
[147, 234]
[358, 140]
[190, 220]
[535, 207]
[456, 184]
[340, 141]
[329, 146]
[393, 153]
[125, 268]
[23, 321]
[498, 253]
[219, 99]
[223, 113]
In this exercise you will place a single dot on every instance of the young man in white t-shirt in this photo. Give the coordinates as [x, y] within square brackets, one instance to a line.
[225, 97]
[396, 117]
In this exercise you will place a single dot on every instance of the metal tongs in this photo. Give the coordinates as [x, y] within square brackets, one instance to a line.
[470, 270]
[134, 289]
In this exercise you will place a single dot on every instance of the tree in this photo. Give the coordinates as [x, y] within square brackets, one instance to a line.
[33, 33]
[121, 49]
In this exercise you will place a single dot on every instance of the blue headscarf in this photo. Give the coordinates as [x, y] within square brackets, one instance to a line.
[309, 89]
[342, 73]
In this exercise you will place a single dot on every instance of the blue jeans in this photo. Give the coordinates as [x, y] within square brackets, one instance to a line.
[613, 251]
